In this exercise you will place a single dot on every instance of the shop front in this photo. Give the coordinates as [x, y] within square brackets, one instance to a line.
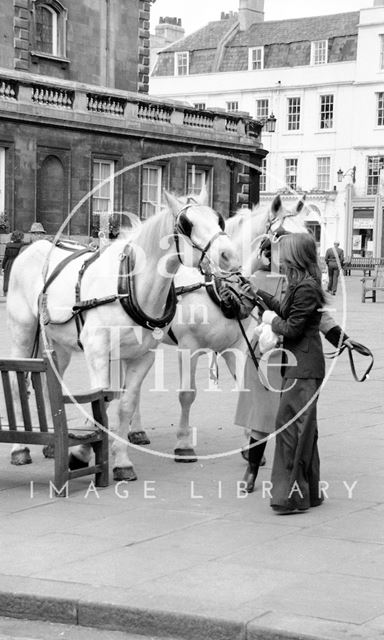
[362, 233]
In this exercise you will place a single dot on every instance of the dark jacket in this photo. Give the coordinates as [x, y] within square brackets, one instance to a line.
[330, 257]
[298, 323]
[12, 250]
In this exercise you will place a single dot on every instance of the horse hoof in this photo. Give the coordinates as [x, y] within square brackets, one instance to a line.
[138, 437]
[21, 457]
[49, 451]
[185, 455]
[75, 463]
[124, 473]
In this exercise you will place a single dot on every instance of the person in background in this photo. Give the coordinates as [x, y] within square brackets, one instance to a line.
[258, 403]
[12, 250]
[334, 259]
[37, 232]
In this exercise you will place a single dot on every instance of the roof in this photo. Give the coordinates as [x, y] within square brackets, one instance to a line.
[273, 32]
[206, 38]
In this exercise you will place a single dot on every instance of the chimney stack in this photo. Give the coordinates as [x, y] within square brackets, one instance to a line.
[250, 12]
[169, 30]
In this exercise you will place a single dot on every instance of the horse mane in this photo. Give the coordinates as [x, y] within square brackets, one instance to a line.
[151, 230]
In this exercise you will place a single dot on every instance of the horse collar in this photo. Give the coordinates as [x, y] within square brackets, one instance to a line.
[127, 295]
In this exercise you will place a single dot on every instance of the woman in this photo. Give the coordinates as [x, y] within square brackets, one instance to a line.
[258, 403]
[296, 467]
[12, 250]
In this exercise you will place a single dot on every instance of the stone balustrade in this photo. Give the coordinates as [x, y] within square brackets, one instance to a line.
[125, 108]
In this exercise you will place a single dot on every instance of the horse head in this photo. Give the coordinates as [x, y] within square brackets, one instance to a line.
[202, 231]
[283, 220]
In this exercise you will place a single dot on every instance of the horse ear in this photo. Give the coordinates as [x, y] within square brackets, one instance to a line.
[276, 204]
[301, 203]
[172, 203]
[203, 198]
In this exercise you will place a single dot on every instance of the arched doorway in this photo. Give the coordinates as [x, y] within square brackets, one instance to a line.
[51, 194]
[313, 223]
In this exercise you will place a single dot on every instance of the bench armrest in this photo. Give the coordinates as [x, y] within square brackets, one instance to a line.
[90, 396]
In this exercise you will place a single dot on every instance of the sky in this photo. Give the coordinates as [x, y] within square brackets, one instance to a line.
[197, 13]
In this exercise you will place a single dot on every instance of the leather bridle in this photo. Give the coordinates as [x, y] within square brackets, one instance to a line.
[184, 227]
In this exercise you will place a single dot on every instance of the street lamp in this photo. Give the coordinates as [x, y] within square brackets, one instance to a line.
[269, 124]
[351, 172]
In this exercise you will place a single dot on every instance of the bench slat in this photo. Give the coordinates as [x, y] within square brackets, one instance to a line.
[40, 403]
[9, 400]
[24, 400]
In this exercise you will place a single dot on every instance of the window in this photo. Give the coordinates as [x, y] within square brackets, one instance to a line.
[263, 176]
[182, 63]
[380, 109]
[197, 178]
[382, 52]
[294, 105]
[323, 173]
[232, 106]
[319, 52]
[262, 108]
[291, 172]
[151, 187]
[200, 105]
[326, 112]
[375, 164]
[103, 199]
[50, 28]
[256, 58]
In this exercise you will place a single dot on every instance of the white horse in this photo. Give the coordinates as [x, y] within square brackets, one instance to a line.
[181, 233]
[200, 326]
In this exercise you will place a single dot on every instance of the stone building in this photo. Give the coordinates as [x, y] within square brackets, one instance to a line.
[74, 111]
[322, 77]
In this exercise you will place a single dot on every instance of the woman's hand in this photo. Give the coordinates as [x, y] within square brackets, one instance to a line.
[268, 316]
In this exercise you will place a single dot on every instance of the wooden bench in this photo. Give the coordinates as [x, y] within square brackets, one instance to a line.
[367, 265]
[32, 427]
[372, 285]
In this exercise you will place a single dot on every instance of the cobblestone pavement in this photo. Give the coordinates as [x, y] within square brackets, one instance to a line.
[192, 559]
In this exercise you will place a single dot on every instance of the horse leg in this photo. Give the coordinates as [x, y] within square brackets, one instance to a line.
[136, 433]
[184, 451]
[135, 372]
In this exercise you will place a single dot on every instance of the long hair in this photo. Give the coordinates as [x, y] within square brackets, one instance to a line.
[299, 256]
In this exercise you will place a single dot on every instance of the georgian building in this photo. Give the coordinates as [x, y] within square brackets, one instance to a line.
[74, 111]
[322, 77]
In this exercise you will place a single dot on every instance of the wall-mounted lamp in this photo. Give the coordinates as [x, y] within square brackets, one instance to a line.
[351, 172]
[269, 124]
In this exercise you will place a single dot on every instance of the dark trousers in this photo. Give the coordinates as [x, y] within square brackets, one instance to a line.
[333, 277]
[296, 465]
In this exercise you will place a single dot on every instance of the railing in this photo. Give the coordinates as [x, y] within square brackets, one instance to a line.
[52, 97]
[197, 119]
[127, 109]
[109, 105]
[154, 112]
[8, 89]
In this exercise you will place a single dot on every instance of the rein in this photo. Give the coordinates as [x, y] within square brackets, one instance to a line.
[360, 348]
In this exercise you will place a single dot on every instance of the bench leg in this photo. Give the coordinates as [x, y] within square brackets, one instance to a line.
[373, 296]
[101, 450]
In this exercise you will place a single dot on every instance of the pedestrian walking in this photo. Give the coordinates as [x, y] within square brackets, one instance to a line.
[259, 399]
[334, 259]
[12, 250]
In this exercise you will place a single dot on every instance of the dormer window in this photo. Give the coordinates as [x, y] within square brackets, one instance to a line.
[49, 28]
[256, 58]
[182, 63]
[319, 52]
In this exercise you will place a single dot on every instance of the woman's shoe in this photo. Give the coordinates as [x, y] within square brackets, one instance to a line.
[250, 478]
